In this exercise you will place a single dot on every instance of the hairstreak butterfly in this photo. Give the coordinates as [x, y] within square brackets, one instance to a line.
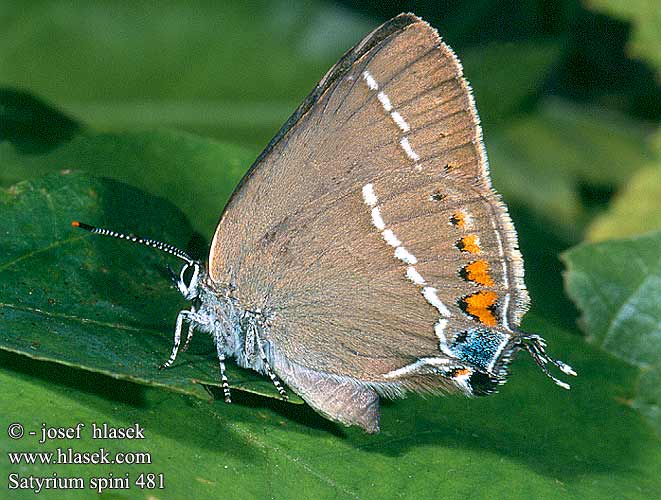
[364, 253]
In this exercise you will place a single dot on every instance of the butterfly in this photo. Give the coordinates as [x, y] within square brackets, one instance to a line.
[365, 253]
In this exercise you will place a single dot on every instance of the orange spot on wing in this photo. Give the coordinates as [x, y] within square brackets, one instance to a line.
[458, 219]
[478, 272]
[480, 305]
[470, 244]
[460, 372]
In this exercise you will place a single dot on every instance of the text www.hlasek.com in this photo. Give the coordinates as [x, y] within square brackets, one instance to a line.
[69, 456]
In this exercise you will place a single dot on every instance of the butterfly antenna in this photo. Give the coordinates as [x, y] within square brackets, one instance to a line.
[159, 245]
[536, 346]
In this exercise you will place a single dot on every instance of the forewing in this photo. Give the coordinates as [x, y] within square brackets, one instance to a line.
[369, 227]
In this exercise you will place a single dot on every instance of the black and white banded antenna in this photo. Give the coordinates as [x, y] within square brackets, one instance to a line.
[159, 245]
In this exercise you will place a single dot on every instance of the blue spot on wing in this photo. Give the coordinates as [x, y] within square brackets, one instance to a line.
[477, 346]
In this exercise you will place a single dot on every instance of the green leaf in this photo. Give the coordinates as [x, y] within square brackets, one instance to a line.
[636, 209]
[90, 302]
[645, 18]
[617, 286]
[648, 396]
[533, 440]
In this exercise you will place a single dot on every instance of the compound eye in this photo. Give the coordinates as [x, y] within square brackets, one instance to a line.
[184, 279]
[189, 275]
[184, 275]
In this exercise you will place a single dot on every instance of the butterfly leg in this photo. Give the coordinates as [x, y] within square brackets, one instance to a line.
[191, 330]
[177, 340]
[269, 371]
[223, 375]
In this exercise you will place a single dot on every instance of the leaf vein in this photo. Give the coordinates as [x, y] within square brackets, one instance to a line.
[78, 319]
[53, 245]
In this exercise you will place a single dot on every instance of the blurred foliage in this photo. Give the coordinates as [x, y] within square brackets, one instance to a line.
[30, 125]
[564, 161]
[231, 70]
[635, 210]
[177, 100]
[196, 173]
[645, 19]
[637, 207]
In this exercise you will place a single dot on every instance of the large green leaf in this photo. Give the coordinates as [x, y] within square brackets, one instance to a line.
[197, 174]
[617, 286]
[81, 300]
[533, 440]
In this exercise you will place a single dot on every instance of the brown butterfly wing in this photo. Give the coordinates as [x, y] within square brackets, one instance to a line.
[385, 156]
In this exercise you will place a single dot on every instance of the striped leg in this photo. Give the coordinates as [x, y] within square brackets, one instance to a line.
[274, 379]
[191, 330]
[177, 341]
[223, 376]
[269, 371]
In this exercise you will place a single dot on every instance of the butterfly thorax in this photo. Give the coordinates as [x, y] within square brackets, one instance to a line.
[237, 331]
